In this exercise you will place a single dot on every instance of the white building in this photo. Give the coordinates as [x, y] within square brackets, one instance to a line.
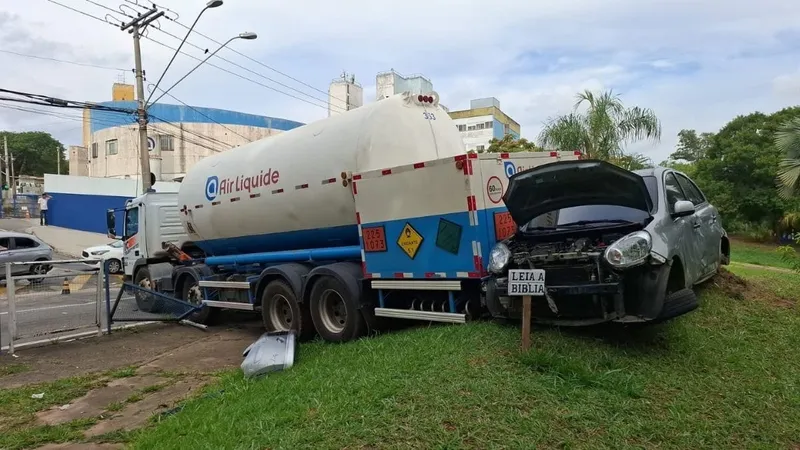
[391, 83]
[344, 94]
[483, 121]
[181, 134]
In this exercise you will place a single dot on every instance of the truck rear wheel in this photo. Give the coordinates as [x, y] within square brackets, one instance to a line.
[335, 313]
[280, 310]
[193, 294]
[146, 301]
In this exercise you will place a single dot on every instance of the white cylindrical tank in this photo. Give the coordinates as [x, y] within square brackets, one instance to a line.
[285, 192]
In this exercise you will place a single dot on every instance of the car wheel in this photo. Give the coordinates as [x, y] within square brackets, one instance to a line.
[678, 303]
[39, 269]
[114, 266]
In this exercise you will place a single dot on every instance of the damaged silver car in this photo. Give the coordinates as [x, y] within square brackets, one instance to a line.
[615, 245]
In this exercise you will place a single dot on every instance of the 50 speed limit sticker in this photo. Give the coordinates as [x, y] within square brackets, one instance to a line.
[494, 189]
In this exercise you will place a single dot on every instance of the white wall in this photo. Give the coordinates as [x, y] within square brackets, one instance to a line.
[188, 146]
[71, 184]
[473, 137]
[338, 94]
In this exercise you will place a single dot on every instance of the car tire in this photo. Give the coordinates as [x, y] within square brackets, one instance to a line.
[678, 303]
[335, 312]
[145, 301]
[114, 266]
[39, 269]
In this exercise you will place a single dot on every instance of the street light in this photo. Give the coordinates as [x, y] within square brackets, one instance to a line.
[209, 5]
[249, 36]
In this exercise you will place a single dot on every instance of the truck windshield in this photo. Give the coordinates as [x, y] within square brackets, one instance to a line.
[131, 222]
[594, 215]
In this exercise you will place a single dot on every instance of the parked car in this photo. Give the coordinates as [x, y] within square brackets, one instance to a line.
[21, 247]
[615, 245]
[111, 253]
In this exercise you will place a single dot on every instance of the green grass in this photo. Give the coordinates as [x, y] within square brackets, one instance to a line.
[724, 376]
[18, 409]
[11, 369]
[125, 372]
[755, 253]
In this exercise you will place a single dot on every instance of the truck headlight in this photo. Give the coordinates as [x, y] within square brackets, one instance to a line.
[630, 250]
[498, 258]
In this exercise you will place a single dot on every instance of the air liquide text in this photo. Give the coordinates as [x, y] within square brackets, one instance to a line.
[247, 183]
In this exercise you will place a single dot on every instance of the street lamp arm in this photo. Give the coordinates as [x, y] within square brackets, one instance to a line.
[211, 4]
[241, 36]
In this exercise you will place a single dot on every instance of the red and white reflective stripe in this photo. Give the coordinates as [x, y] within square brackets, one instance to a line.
[435, 275]
[355, 189]
[477, 256]
[403, 275]
[277, 191]
[462, 274]
[198, 206]
[419, 165]
[329, 181]
[578, 154]
[302, 186]
[472, 207]
[554, 154]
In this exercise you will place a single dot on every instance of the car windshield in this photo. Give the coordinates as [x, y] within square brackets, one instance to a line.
[115, 244]
[593, 215]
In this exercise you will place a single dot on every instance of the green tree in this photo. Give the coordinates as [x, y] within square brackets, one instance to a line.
[35, 152]
[633, 161]
[787, 141]
[691, 147]
[603, 129]
[741, 164]
[510, 144]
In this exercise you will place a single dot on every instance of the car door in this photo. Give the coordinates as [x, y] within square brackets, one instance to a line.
[25, 250]
[690, 248]
[6, 255]
[708, 233]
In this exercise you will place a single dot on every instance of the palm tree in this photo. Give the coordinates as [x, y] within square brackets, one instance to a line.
[787, 140]
[603, 129]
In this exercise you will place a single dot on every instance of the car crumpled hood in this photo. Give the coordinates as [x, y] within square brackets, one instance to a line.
[566, 184]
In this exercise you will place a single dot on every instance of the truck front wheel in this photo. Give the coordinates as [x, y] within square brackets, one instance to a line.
[145, 300]
[193, 294]
[335, 313]
[280, 310]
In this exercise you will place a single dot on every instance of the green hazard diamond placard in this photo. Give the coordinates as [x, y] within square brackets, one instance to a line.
[448, 237]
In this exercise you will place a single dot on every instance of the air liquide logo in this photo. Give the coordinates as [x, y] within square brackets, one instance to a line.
[509, 168]
[212, 187]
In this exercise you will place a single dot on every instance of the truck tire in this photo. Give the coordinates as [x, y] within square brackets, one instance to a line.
[146, 301]
[335, 312]
[191, 293]
[280, 310]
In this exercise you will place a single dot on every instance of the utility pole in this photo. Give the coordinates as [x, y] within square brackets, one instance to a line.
[135, 27]
[13, 185]
[8, 163]
[58, 161]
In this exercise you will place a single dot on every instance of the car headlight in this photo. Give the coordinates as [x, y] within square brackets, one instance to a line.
[100, 252]
[498, 258]
[630, 250]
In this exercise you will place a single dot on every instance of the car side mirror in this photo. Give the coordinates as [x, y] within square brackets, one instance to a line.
[683, 208]
[111, 224]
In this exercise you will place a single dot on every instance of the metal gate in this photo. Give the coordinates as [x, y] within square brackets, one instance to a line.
[134, 303]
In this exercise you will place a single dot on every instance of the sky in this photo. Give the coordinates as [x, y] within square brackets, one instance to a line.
[697, 64]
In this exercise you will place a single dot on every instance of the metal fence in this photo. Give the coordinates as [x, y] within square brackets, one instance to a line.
[64, 303]
[20, 206]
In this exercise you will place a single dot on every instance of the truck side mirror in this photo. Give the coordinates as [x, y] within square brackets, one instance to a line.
[111, 224]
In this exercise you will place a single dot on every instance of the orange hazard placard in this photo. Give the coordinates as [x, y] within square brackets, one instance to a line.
[504, 225]
[374, 239]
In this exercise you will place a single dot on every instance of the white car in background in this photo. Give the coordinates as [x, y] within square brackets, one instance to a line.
[111, 253]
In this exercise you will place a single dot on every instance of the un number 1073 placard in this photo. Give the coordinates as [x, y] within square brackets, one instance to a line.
[525, 282]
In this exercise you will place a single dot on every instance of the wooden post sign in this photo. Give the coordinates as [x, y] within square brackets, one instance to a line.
[526, 283]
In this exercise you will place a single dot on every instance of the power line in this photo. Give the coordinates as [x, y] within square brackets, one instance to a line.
[63, 61]
[327, 103]
[205, 115]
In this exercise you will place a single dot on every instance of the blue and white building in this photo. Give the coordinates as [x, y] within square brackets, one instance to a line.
[483, 121]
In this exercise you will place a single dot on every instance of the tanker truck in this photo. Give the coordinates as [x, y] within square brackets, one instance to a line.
[377, 213]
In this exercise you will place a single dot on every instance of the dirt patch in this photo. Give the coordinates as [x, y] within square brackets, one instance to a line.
[731, 284]
[737, 288]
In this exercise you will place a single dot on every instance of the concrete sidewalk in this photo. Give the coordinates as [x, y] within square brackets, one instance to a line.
[66, 241]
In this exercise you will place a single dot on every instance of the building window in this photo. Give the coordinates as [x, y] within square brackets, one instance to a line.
[94, 149]
[462, 127]
[480, 148]
[489, 125]
[111, 147]
[165, 143]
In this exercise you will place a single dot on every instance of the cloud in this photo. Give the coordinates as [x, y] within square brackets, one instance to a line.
[696, 64]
